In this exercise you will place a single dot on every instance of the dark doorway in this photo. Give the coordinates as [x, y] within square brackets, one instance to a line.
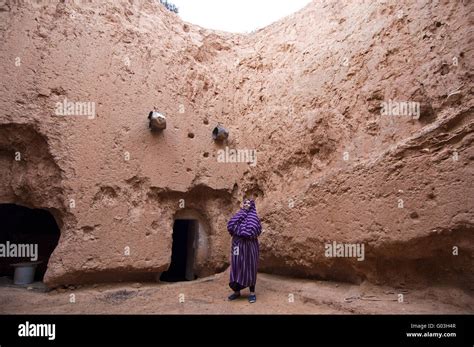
[182, 252]
[21, 225]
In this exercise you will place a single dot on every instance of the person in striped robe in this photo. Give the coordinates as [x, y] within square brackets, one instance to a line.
[244, 227]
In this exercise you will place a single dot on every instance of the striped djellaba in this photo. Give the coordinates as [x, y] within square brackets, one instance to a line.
[244, 227]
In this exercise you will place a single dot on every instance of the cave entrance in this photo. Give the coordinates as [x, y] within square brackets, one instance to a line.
[185, 233]
[26, 235]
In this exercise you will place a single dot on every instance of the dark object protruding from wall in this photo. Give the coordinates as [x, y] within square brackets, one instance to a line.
[220, 133]
[157, 121]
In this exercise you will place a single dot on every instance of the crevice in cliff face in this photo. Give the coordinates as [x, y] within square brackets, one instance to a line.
[446, 132]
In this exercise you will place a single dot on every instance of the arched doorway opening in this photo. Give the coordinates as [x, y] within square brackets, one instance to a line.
[190, 249]
[185, 237]
[26, 235]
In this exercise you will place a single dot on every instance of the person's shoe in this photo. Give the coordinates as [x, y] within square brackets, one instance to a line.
[252, 298]
[233, 296]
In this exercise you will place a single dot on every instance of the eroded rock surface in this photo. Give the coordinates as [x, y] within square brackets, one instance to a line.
[304, 92]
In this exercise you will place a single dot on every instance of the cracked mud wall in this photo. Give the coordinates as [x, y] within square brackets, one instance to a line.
[303, 92]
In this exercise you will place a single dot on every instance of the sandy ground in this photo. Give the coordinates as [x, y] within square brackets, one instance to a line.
[209, 296]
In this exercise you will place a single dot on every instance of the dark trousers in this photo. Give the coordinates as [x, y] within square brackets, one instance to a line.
[237, 287]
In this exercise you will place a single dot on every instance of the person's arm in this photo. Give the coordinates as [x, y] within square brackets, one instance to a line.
[235, 221]
[249, 228]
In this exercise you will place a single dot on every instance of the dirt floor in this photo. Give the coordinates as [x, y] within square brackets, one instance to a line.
[209, 296]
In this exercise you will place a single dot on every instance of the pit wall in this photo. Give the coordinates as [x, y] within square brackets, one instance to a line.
[303, 104]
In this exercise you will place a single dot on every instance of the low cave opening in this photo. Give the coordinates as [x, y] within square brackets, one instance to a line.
[185, 233]
[26, 235]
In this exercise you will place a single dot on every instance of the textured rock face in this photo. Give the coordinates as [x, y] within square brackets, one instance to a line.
[306, 93]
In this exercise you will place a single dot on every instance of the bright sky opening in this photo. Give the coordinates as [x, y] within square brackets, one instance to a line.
[239, 16]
